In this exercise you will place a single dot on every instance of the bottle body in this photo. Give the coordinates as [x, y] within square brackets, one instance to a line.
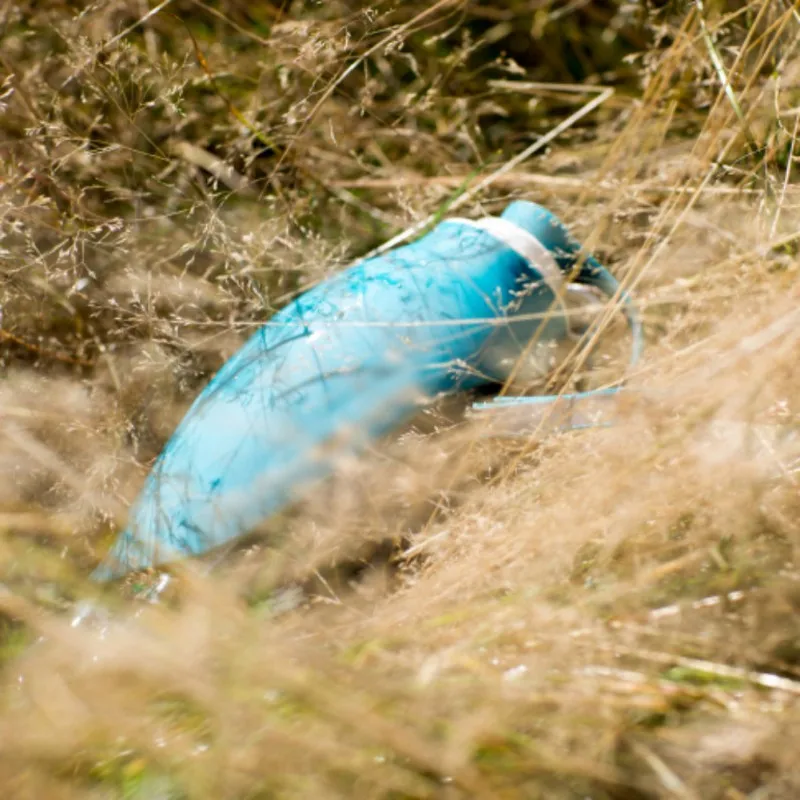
[347, 361]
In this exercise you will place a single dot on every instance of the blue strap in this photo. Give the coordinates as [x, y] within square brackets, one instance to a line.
[578, 410]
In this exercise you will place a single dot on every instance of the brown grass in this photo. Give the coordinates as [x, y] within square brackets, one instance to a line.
[610, 613]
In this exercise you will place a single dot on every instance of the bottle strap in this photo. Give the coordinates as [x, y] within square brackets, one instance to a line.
[560, 411]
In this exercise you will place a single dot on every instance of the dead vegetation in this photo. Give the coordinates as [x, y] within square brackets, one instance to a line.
[608, 614]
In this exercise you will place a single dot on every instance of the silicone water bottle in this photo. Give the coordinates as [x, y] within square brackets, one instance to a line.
[347, 361]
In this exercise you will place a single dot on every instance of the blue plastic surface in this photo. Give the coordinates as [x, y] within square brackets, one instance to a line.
[349, 360]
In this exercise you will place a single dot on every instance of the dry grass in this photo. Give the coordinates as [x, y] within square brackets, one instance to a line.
[606, 614]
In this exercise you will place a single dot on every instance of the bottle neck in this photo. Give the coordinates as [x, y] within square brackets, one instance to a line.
[522, 242]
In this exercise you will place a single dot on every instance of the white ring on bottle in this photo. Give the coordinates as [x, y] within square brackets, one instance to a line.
[522, 242]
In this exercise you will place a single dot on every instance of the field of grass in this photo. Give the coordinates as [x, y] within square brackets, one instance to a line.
[610, 613]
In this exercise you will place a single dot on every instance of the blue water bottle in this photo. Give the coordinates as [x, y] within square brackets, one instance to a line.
[348, 361]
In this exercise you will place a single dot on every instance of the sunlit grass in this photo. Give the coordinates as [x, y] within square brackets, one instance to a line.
[609, 613]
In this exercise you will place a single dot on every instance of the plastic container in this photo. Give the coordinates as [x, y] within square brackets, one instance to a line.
[348, 361]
